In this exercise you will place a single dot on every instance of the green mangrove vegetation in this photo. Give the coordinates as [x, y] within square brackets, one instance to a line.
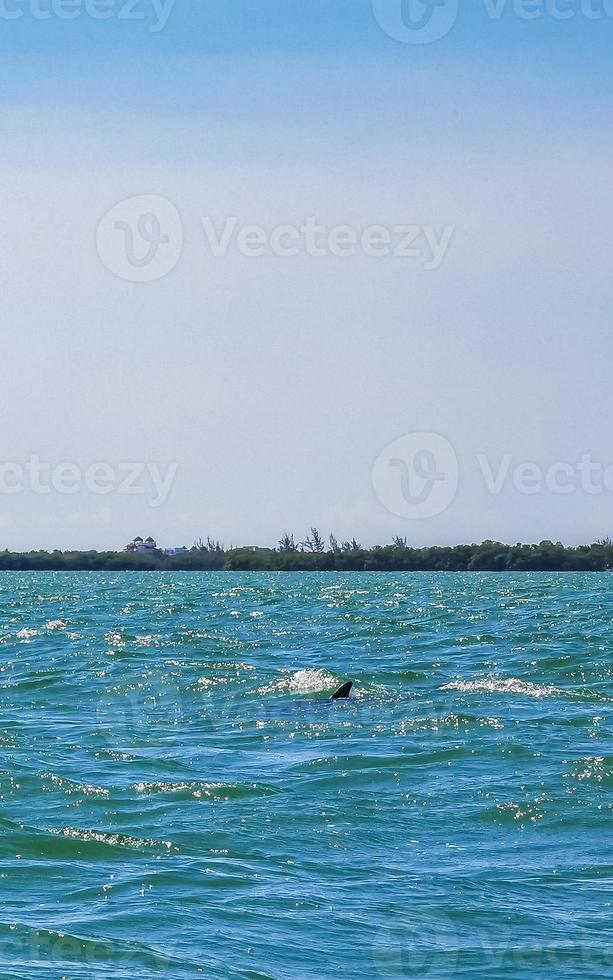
[314, 554]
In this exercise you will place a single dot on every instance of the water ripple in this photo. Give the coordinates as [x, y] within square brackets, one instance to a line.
[180, 796]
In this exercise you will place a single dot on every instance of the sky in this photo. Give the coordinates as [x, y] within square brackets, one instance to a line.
[269, 264]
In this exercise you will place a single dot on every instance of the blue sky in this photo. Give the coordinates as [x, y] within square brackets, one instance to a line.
[274, 383]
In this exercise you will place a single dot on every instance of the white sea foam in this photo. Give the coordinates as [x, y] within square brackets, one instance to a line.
[26, 634]
[308, 681]
[115, 638]
[504, 685]
[113, 840]
[55, 624]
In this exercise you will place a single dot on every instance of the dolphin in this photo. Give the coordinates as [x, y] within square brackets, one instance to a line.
[343, 691]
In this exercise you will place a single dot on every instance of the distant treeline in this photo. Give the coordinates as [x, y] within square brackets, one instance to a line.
[313, 555]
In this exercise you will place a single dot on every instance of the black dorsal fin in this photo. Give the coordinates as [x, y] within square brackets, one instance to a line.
[343, 691]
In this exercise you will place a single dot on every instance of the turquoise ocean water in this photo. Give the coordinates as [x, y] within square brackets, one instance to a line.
[178, 798]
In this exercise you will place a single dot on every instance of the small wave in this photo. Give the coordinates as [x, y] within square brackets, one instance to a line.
[115, 638]
[148, 640]
[26, 634]
[509, 812]
[437, 723]
[200, 790]
[527, 812]
[598, 769]
[507, 685]
[113, 840]
[480, 638]
[309, 681]
[207, 683]
[72, 788]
